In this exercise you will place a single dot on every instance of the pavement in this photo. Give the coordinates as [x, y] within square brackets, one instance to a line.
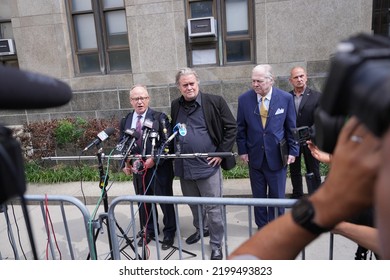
[89, 193]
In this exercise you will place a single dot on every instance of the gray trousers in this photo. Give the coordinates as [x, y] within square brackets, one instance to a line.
[211, 214]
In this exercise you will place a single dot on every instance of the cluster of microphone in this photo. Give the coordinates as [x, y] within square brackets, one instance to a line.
[128, 141]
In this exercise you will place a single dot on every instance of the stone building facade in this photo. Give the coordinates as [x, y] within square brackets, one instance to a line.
[285, 33]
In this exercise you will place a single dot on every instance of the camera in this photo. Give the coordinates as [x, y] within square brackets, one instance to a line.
[358, 84]
[303, 133]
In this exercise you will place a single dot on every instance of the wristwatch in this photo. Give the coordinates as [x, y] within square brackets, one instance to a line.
[303, 214]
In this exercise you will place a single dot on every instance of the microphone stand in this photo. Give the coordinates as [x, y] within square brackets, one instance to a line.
[103, 185]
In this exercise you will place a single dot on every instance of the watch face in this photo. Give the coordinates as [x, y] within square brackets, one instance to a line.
[303, 211]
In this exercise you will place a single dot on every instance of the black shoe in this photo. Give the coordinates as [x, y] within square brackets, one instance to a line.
[216, 254]
[196, 237]
[167, 243]
[145, 239]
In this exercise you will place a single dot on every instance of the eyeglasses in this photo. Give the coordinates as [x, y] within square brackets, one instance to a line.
[136, 99]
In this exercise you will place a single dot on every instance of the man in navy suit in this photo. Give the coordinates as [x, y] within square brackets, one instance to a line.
[258, 144]
[150, 176]
[306, 100]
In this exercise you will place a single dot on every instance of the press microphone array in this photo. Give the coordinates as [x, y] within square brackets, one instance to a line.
[102, 136]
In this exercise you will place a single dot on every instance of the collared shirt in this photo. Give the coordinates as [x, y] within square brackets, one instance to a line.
[197, 140]
[298, 100]
[267, 101]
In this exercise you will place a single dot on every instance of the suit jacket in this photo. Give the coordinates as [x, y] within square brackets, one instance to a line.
[256, 141]
[220, 123]
[310, 102]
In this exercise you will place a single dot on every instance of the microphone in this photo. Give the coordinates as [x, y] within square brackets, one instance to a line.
[148, 124]
[102, 136]
[180, 128]
[134, 138]
[165, 132]
[26, 90]
[153, 135]
[128, 133]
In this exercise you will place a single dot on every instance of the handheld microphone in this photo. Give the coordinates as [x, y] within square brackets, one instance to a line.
[27, 90]
[179, 128]
[102, 136]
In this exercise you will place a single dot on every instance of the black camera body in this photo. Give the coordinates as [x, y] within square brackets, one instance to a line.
[358, 84]
[303, 133]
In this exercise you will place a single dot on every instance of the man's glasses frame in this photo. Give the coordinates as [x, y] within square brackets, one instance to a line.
[136, 99]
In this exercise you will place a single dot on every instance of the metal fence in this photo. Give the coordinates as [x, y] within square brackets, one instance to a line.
[63, 228]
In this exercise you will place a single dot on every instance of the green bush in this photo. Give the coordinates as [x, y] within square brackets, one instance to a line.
[69, 131]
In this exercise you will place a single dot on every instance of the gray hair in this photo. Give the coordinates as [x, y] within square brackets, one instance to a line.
[266, 69]
[184, 72]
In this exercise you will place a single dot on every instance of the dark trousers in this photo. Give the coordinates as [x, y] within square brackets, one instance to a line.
[160, 185]
[267, 183]
[313, 176]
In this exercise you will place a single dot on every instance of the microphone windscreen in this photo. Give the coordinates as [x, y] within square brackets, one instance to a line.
[21, 89]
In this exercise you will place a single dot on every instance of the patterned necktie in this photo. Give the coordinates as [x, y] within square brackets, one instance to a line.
[138, 128]
[263, 111]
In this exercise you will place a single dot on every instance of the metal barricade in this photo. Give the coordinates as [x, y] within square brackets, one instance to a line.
[237, 229]
[59, 224]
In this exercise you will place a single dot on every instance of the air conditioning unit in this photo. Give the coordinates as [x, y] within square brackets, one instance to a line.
[7, 47]
[202, 27]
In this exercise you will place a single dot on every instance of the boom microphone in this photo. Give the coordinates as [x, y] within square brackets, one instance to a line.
[26, 90]
[102, 136]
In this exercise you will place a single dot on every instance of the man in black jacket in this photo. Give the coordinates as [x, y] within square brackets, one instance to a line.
[306, 101]
[151, 176]
[211, 127]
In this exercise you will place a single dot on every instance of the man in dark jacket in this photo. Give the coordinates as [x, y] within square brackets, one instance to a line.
[151, 176]
[211, 127]
[306, 101]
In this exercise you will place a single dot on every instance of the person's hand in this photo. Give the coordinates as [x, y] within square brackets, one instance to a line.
[127, 169]
[149, 163]
[349, 187]
[291, 159]
[244, 158]
[214, 161]
[317, 153]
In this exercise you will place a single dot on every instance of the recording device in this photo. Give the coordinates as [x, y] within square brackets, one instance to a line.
[125, 146]
[102, 136]
[12, 177]
[358, 84]
[26, 90]
[303, 133]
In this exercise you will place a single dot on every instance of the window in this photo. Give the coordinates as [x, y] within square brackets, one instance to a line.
[7, 36]
[233, 43]
[381, 17]
[100, 38]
